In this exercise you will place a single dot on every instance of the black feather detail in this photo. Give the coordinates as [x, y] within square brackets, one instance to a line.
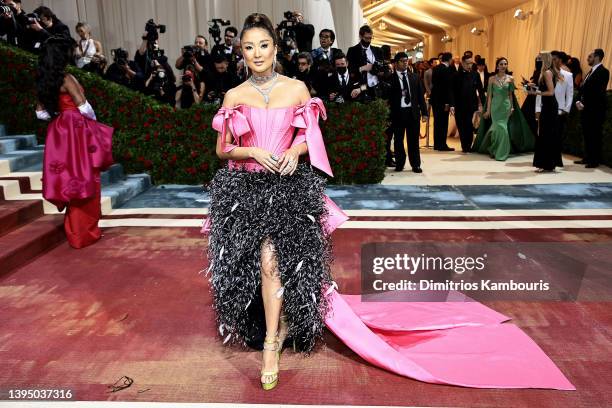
[245, 208]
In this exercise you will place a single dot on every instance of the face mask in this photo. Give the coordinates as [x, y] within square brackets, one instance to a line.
[538, 65]
[341, 70]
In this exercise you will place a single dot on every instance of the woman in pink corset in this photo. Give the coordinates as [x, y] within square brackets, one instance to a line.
[269, 252]
[77, 147]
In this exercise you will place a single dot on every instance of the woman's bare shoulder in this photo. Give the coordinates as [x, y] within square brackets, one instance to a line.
[234, 95]
[295, 87]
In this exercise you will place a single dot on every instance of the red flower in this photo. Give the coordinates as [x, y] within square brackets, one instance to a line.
[194, 154]
[148, 164]
[127, 155]
[204, 166]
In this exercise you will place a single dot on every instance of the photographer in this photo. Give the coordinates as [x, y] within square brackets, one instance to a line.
[196, 55]
[161, 83]
[236, 64]
[303, 32]
[187, 94]
[366, 63]
[287, 57]
[12, 20]
[124, 72]
[219, 81]
[149, 48]
[323, 60]
[227, 47]
[305, 73]
[46, 25]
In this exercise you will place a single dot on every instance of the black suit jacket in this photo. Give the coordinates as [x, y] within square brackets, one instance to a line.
[592, 91]
[417, 96]
[356, 59]
[465, 86]
[334, 85]
[442, 86]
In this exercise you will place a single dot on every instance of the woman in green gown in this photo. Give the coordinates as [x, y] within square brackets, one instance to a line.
[503, 129]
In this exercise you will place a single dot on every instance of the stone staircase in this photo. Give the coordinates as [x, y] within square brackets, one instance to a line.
[29, 225]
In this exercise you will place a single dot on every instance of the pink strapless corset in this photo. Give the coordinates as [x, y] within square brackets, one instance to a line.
[272, 129]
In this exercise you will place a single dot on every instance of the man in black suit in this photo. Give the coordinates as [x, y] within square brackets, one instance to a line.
[469, 98]
[323, 60]
[442, 101]
[591, 101]
[364, 61]
[407, 102]
[340, 87]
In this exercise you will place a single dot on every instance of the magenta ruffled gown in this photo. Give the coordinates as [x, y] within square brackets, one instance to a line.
[461, 343]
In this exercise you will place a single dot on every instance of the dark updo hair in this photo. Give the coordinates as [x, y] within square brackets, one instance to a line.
[258, 20]
[56, 53]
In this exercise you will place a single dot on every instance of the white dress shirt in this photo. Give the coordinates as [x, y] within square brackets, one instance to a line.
[400, 75]
[345, 76]
[372, 79]
[564, 93]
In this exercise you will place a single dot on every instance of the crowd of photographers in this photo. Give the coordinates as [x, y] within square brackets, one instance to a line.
[206, 74]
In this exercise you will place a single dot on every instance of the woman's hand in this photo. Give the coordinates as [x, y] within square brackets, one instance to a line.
[486, 115]
[266, 159]
[288, 161]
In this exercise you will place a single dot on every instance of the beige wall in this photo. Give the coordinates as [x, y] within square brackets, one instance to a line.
[120, 23]
[573, 26]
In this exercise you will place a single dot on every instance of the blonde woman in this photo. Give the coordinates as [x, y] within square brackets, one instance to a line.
[87, 47]
[547, 146]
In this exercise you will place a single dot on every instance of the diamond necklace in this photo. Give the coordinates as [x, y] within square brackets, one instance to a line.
[265, 92]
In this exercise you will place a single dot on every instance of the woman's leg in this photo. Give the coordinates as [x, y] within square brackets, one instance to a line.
[270, 284]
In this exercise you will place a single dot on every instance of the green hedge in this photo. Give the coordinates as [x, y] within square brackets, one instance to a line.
[574, 142]
[179, 146]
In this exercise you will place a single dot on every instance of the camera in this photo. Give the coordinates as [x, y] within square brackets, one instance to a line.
[286, 32]
[156, 55]
[190, 51]
[378, 67]
[153, 30]
[120, 56]
[6, 10]
[214, 30]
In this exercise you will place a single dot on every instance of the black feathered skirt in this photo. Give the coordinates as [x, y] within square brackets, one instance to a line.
[246, 208]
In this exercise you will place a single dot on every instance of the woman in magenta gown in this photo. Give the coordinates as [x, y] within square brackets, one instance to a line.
[77, 147]
[269, 253]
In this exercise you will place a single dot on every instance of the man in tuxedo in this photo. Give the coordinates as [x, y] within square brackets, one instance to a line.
[407, 103]
[227, 47]
[483, 73]
[591, 101]
[564, 93]
[442, 100]
[365, 61]
[340, 86]
[324, 59]
[469, 98]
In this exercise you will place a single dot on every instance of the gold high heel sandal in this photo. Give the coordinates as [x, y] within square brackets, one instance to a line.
[272, 345]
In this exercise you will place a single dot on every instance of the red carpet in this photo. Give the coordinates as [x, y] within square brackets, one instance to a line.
[134, 304]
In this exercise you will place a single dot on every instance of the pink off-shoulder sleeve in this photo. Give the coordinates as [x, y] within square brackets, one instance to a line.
[238, 125]
[307, 120]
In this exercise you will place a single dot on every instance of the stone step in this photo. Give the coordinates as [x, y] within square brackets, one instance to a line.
[8, 145]
[22, 245]
[14, 214]
[114, 174]
[22, 159]
[122, 191]
[24, 141]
